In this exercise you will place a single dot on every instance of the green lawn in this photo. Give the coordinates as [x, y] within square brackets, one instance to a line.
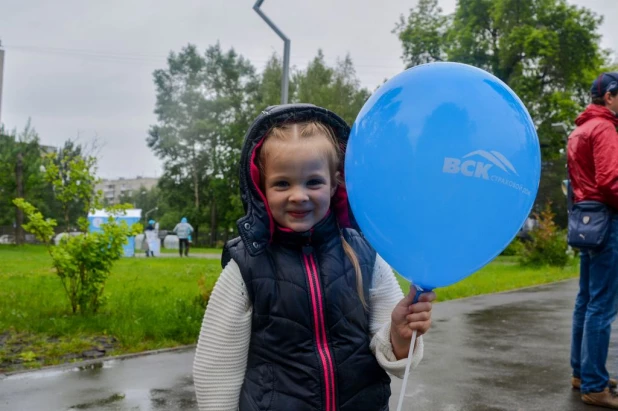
[193, 250]
[503, 274]
[153, 303]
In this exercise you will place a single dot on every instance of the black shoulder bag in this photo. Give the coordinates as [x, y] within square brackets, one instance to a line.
[589, 222]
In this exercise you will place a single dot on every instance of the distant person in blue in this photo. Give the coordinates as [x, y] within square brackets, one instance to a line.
[183, 230]
[151, 237]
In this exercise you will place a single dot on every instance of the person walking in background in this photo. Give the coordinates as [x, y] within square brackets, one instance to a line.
[151, 237]
[593, 171]
[183, 230]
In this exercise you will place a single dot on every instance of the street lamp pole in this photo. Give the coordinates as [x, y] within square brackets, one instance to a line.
[148, 212]
[564, 129]
[286, 51]
[1, 75]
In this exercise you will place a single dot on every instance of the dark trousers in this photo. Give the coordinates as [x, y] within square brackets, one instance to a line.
[184, 242]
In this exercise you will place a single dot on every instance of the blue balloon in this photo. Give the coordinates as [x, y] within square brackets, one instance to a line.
[442, 168]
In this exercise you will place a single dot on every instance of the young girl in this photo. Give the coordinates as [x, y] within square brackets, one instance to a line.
[305, 315]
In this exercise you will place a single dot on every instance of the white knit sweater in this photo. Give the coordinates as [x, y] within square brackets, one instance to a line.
[222, 350]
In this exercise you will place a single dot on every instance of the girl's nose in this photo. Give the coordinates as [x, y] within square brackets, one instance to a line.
[299, 195]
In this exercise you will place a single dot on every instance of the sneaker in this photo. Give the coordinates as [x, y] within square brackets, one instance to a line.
[577, 383]
[605, 398]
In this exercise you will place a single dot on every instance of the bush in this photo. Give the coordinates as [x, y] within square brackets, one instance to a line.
[547, 245]
[83, 262]
[516, 247]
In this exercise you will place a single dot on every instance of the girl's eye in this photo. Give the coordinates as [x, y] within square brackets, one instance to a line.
[281, 184]
[315, 182]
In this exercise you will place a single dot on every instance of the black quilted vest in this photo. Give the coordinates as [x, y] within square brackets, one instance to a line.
[309, 346]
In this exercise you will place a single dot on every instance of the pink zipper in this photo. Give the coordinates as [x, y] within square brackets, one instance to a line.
[320, 329]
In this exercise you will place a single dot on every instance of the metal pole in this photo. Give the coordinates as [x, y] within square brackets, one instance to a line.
[286, 71]
[148, 212]
[1, 75]
[286, 51]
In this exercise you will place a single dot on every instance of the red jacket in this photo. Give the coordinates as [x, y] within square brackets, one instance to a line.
[593, 156]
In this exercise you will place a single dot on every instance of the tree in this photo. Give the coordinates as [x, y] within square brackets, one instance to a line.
[423, 33]
[57, 166]
[72, 177]
[337, 89]
[20, 162]
[233, 84]
[146, 200]
[547, 51]
[204, 104]
[269, 88]
[180, 106]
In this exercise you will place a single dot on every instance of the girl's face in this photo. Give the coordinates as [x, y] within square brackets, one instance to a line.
[297, 183]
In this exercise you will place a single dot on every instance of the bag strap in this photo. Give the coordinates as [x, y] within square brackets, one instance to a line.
[568, 180]
[569, 194]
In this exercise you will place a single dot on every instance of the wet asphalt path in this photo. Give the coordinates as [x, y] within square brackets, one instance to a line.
[506, 351]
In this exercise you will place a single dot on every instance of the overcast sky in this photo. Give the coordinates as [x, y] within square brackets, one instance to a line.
[84, 68]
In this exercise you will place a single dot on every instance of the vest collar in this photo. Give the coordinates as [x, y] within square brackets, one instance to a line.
[320, 233]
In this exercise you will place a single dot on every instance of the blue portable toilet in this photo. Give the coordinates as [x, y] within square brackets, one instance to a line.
[131, 217]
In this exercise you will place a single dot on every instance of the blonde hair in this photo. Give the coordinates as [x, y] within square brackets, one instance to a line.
[310, 132]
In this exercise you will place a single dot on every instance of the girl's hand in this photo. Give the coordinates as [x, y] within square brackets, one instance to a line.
[407, 317]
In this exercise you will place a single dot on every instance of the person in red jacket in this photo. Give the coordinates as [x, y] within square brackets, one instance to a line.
[592, 158]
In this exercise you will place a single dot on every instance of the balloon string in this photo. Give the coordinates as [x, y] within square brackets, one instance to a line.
[405, 376]
[417, 294]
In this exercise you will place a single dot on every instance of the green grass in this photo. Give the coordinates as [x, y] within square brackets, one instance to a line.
[193, 250]
[153, 303]
[502, 274]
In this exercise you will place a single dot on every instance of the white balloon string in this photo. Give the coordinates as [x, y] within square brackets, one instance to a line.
[417, 294]
[405, 376]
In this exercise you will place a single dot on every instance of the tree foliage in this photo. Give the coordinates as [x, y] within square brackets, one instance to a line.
[547, 51]
[145, 200]
[205, 104]
[335, 88]
[55, 166]
[19, 153]
[72, 178]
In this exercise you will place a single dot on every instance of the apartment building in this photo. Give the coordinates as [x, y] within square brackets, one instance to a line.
[114, 189]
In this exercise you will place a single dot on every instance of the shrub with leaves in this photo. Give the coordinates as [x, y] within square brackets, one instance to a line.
[83, 262]
[516, 247]
[548, 244]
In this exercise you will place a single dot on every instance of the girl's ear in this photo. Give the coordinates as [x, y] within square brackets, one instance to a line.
[336, 183]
